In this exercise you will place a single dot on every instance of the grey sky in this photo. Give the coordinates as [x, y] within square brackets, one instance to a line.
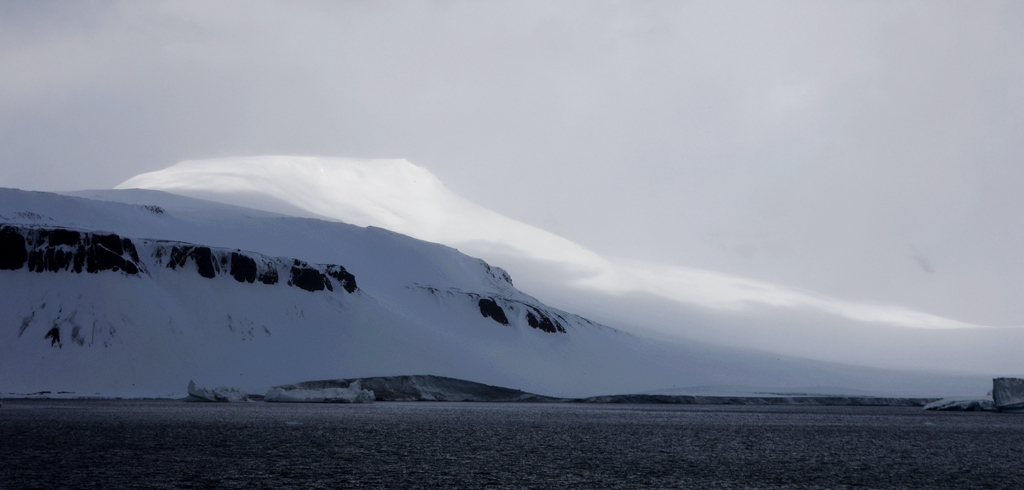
[865, 150]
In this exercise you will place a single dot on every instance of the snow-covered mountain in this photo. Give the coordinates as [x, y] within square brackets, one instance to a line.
[402, 197]
[666, 301]
[135, 298]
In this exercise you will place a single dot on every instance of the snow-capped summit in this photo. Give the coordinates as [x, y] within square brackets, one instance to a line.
[391, 194]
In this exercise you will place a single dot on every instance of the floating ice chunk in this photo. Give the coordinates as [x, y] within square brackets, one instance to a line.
[1008, 394]
[352, 394]
[220, 394]
[962, 404]
[329, 395]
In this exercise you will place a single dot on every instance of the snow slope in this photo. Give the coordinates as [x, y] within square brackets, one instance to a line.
[137, 298]
[399, 196]
[666, 301]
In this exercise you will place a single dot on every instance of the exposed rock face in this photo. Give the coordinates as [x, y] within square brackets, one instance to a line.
[250, 267]
[490, 309]
[1008, 394]
[58, 249]
[497, 273]
[53, 335]
[13, 253]
[62, 250]
[180, 255]
[344, 277]
[311, 279]
[223, 394]
[509, 311]
[543, 322]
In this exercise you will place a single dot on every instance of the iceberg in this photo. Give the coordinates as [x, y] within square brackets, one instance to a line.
[352, 394]
[1008, 394]
[220, 394]
[423, 388]
[960, 404]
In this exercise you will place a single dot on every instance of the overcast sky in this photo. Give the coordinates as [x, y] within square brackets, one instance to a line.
[872, 151]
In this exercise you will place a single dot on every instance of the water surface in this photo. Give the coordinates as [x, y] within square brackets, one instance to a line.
[174, 444]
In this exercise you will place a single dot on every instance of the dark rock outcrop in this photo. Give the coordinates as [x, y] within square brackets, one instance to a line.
[497, 273]
[54, 336]
[497, 307]
[268, 276]
[540, 321]
[243, 268]
[202, 257]
[59, 249]
[303, 276]
[344, 277]
[490, 309]
[249, 267]
[13, 253]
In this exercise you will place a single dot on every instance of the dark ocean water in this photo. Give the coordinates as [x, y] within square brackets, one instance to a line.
[173, 444]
